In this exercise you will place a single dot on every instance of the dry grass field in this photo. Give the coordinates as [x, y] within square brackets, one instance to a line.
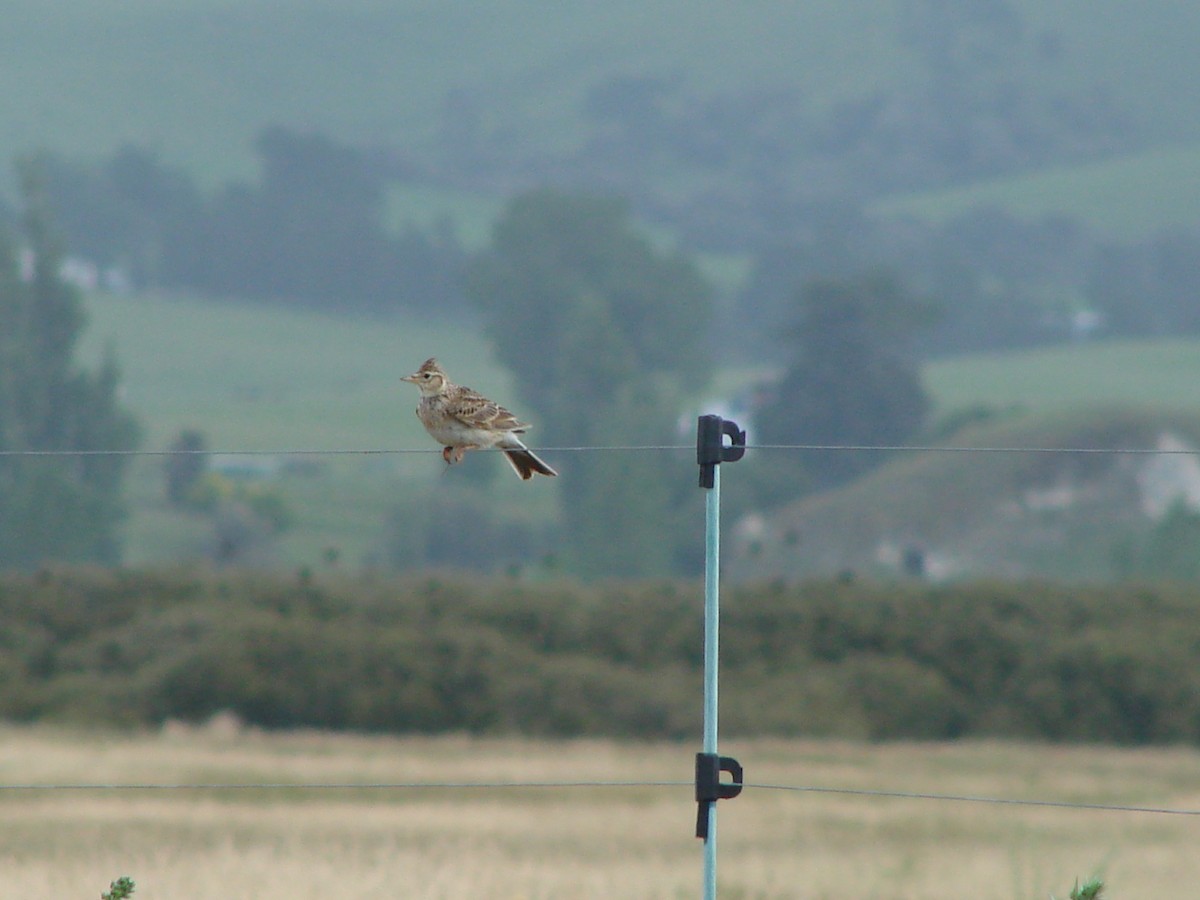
[611, 842]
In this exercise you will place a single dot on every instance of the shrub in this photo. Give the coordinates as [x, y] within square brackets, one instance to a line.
[499, 656]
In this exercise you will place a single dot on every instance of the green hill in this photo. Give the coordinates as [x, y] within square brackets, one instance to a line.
[197, 80]
[1020, 506]
[1011, 514]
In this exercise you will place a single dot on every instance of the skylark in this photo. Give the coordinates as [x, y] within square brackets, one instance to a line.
[461, 419]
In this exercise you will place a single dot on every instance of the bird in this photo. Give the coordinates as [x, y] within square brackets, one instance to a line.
[461, 419]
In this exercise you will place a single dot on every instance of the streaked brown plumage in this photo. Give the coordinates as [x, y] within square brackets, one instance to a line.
[461, 419]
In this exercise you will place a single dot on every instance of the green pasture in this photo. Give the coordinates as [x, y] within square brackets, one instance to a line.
[272, 378]
[1126, 197]
[254, 378]
[1160, 375]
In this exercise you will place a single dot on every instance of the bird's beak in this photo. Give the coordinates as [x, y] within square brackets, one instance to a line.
[410, 378]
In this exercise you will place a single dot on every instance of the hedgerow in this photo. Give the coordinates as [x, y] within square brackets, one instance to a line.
[449, 653]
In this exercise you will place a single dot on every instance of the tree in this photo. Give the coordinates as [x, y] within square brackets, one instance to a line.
[840, 240]
[1171, 550]
[852, 380]
[131, 213]
[185, 466]
[605, 335]
[311, 230]
[53, 507]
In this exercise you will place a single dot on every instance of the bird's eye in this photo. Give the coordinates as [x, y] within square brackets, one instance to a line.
[426, 376]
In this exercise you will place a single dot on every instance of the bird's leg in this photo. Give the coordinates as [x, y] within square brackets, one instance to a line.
[461, 451]
[455, 453]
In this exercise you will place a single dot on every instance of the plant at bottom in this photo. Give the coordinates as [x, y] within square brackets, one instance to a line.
[119, 889]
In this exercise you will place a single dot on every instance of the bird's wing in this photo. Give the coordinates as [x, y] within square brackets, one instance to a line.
[476, 411]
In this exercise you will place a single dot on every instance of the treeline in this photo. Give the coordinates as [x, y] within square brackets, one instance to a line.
[447, 653]
[993, 281]
[311, 230]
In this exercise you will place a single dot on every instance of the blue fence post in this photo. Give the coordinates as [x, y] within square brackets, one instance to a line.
[711, 451]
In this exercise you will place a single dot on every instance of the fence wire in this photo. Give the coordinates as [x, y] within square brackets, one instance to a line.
[632, 448]
[880, 793]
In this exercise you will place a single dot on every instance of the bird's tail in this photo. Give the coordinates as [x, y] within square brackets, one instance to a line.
[525, 463]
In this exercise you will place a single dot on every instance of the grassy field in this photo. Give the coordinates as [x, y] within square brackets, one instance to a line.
[254, 378]
[261, 378]
[581, 842]
[1126, 198]
[1155, 374]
